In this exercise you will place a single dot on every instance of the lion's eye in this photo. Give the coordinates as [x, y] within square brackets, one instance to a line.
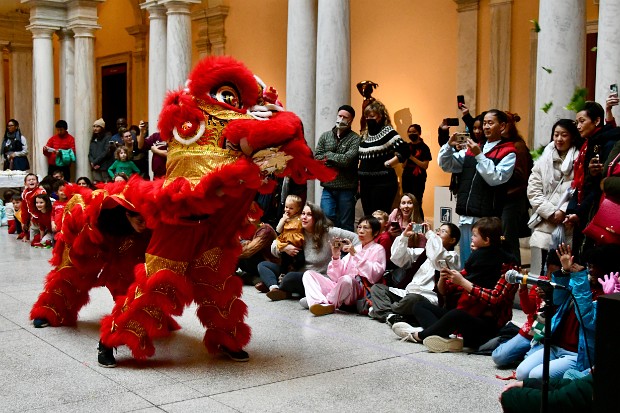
[227, 94]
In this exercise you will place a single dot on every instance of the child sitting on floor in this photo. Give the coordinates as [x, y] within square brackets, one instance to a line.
[41, 224]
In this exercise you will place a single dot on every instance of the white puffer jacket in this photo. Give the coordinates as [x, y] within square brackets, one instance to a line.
[546, 174]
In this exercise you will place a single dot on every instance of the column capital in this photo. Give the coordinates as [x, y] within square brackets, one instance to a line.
[493, 3]
[47, 12]
[466, 5]
[178, 6]
[64, 33]
[41, 32]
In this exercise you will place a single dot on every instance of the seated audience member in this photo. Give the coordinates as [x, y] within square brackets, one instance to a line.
[85, 182]
[9, 211]
[28, 210]
[565, 395]
[572, 340]
[290, 232]
[254, 251]
[394, 304]
[59, 206]
[347, 277]
[477, 300]
[514, 350]
[41, 223]
[318, 232]
[16, 201]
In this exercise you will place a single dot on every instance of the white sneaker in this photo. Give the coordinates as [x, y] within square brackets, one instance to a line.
[405, 331]
[437, 344]
[304, 303]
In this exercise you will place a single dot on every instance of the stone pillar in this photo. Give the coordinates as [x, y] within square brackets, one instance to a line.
[157, 61]
[467, 49]
[333, 66]
[561, 48]
[21, 91]
[608, 50]
[140, 83]
[67, 77]
[3, 117]
[501, 30]
[301, 67]
[85, 111]
[43, 95]
[178, 47]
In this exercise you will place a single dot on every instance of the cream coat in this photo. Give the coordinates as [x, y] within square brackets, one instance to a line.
[547, 172]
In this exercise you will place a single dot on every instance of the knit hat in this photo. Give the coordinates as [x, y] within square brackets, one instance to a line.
[99, 122]
[348, 109]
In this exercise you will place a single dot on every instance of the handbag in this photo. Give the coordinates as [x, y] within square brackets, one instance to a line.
[536, 219]
[604, 228]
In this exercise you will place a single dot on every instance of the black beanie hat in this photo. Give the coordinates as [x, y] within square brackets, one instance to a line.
[348, 109]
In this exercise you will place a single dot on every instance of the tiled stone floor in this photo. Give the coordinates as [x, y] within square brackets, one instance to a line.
[301, 363]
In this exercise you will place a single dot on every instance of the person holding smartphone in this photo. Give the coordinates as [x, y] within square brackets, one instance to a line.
[598, 128]
[484, 171]
[414, 171]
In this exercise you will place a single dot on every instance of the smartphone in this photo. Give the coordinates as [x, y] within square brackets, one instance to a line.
[452, 121]
[395, 224]
[417, 228]
[442, 264]
[613, 89]
[461, 137]
[460, 100]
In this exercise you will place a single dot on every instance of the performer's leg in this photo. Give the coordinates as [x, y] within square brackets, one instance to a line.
[65, 293]
[217, 292]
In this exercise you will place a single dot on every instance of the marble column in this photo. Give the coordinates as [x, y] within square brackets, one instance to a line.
[333, 65]
[608, 50]
[67, 77]
[561, 48]
[3, 113]
[301, 67]
[21, 90]
[501, 30]
[157, 61]
[467, 50]
[85, 111]
[43, 95]
[179, 51]
[140, 83]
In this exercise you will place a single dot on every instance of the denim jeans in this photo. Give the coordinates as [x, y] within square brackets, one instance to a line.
[560, 361]
[465, 242]
[512, 351]
[339, 206]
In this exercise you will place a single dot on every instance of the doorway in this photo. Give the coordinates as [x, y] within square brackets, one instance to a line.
[114, 94]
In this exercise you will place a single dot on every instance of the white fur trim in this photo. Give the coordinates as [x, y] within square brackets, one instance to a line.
[201, 131]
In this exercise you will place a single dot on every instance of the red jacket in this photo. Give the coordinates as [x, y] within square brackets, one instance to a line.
[56, 142]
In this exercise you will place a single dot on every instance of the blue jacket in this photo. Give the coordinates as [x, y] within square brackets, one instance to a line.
[580, 285]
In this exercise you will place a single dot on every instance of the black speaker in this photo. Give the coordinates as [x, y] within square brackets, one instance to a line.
[607, 349]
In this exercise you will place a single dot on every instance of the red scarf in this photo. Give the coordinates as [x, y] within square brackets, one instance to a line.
[580, 169]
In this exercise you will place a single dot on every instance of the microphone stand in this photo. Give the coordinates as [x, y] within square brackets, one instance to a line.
[548, 313]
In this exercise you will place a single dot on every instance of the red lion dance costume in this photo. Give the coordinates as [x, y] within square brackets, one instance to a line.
[214, 128]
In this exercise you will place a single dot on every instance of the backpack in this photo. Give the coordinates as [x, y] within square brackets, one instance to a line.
[65, 157]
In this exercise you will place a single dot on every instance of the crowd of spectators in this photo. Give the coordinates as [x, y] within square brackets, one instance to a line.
[445, 289]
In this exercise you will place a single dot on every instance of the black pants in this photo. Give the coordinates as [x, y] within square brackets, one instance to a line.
[385, 302]
[378, 195]
[438, 321]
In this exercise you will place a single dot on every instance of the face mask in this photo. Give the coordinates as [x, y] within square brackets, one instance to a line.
[373, 126]
[413, 137]
[341, 123]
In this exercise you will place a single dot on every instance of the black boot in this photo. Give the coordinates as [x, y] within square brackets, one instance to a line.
[105, 356]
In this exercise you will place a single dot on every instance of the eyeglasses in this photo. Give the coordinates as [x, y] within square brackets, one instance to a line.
[10, 125]
[364, 227]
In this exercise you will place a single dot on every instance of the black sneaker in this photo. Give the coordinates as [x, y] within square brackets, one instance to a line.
[105, 356]
[394, 318]
[235, 355]
[40, 323]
